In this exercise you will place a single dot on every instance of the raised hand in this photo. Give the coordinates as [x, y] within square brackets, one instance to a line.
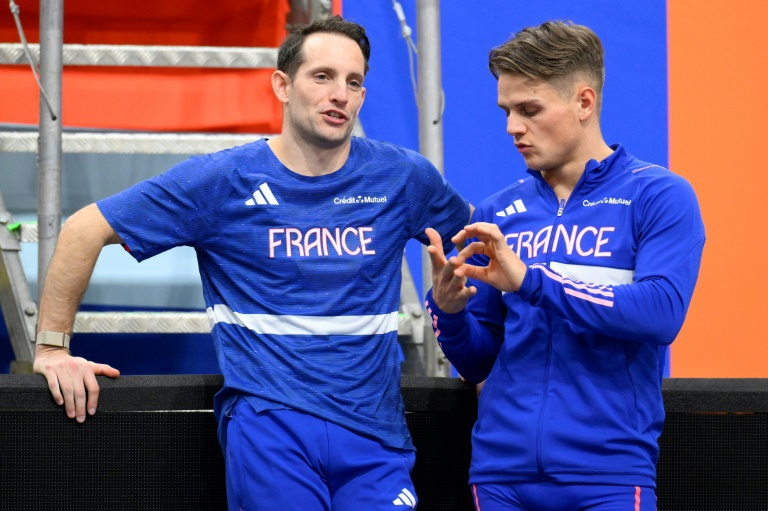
[449, 288]
[505, 270]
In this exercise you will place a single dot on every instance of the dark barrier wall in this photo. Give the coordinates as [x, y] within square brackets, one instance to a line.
[153, 445]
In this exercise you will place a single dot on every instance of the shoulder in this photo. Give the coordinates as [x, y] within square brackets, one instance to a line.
[233, 156]
[661, 193]
[653, 178]
[378, 149]
[521, 189]
[218, 166]
[649, 181]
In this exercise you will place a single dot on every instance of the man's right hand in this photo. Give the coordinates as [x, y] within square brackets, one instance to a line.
[71, 380]
[449, 289]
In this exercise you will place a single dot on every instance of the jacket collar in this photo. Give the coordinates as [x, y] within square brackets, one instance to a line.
[596, 171]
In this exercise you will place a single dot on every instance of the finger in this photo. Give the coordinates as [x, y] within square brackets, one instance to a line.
[459, 280]
[447, 273]
[67, 391]
[480, 229]
[436, 257]
[476, 273]
[437, 262]
[435, 250]
[466, 293]
[104, 370]
[53, 386]
[476, 247]
[89, 379]
[76, 375]
[462, 276]
[434, 238]
[459, 237]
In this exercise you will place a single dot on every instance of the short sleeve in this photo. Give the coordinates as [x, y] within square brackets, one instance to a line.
[173, 209]
[434, 203]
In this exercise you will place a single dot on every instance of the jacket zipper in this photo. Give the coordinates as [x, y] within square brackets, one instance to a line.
[561, 208]
[539, 462]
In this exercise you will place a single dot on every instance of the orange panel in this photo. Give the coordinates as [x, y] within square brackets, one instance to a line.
[154, 98]
[191, 22]
[718, 74]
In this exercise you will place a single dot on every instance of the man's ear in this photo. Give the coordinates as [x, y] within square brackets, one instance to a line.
[587, 102]
[362, 100]
[281, 84]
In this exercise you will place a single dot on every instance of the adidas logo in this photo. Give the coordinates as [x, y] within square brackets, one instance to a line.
[515, 207]
[405, 498]
[262, 196]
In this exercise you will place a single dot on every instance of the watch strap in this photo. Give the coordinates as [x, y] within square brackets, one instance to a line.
[52, 339]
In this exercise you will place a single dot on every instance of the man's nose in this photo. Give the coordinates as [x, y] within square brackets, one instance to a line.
[515, 126]
[340, 94]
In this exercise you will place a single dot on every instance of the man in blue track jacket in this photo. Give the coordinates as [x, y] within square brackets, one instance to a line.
[574, 283]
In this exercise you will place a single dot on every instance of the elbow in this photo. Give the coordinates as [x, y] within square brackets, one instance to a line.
[473, 372]
[662, 329]
[659, 316]
[89, 227]
[671, 328]
[472, 376]
[477, 376]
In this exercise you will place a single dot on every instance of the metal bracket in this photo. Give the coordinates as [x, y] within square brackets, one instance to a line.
[18, 309]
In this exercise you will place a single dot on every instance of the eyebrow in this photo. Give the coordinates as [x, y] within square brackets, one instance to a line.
[329, 70]
[519, 104]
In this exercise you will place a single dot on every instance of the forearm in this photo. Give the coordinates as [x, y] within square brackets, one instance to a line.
[80, 242]
[650, 310]
[469, 345]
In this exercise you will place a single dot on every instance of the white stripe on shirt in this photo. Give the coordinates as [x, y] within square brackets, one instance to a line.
[305, 325]
[599, 275]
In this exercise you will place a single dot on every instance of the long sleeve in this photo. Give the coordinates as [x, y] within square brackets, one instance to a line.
[471, 340]
[653, 307]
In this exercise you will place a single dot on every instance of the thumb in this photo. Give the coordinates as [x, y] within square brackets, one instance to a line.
[105, 370]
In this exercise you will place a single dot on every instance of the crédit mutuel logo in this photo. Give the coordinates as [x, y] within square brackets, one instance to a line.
[360, 199]
[607, 200]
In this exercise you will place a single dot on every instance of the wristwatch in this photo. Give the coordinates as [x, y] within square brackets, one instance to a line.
[53, 339]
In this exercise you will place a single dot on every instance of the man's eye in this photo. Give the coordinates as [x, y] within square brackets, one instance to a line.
[321, 76]
[354, 84]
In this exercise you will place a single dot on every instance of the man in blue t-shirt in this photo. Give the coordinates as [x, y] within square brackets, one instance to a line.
[577, 280]
[299, 241]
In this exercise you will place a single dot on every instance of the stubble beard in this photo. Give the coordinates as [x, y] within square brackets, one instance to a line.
[320, 137]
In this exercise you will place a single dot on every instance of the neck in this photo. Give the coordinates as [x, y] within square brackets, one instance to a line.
[309, 160]
[564, 179]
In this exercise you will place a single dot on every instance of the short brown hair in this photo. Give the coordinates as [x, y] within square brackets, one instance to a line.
[290, 55]
[556, 52]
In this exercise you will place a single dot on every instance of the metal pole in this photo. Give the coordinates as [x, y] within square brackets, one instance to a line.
[49, 141]
[430, 140]
[305, 11]
[16, 304]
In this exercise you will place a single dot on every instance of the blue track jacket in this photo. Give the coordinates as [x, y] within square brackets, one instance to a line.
[574, 360]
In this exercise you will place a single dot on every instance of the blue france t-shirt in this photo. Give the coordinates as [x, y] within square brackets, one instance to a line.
[301, 275]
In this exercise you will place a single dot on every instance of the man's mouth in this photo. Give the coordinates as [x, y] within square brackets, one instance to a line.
[335, 114]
